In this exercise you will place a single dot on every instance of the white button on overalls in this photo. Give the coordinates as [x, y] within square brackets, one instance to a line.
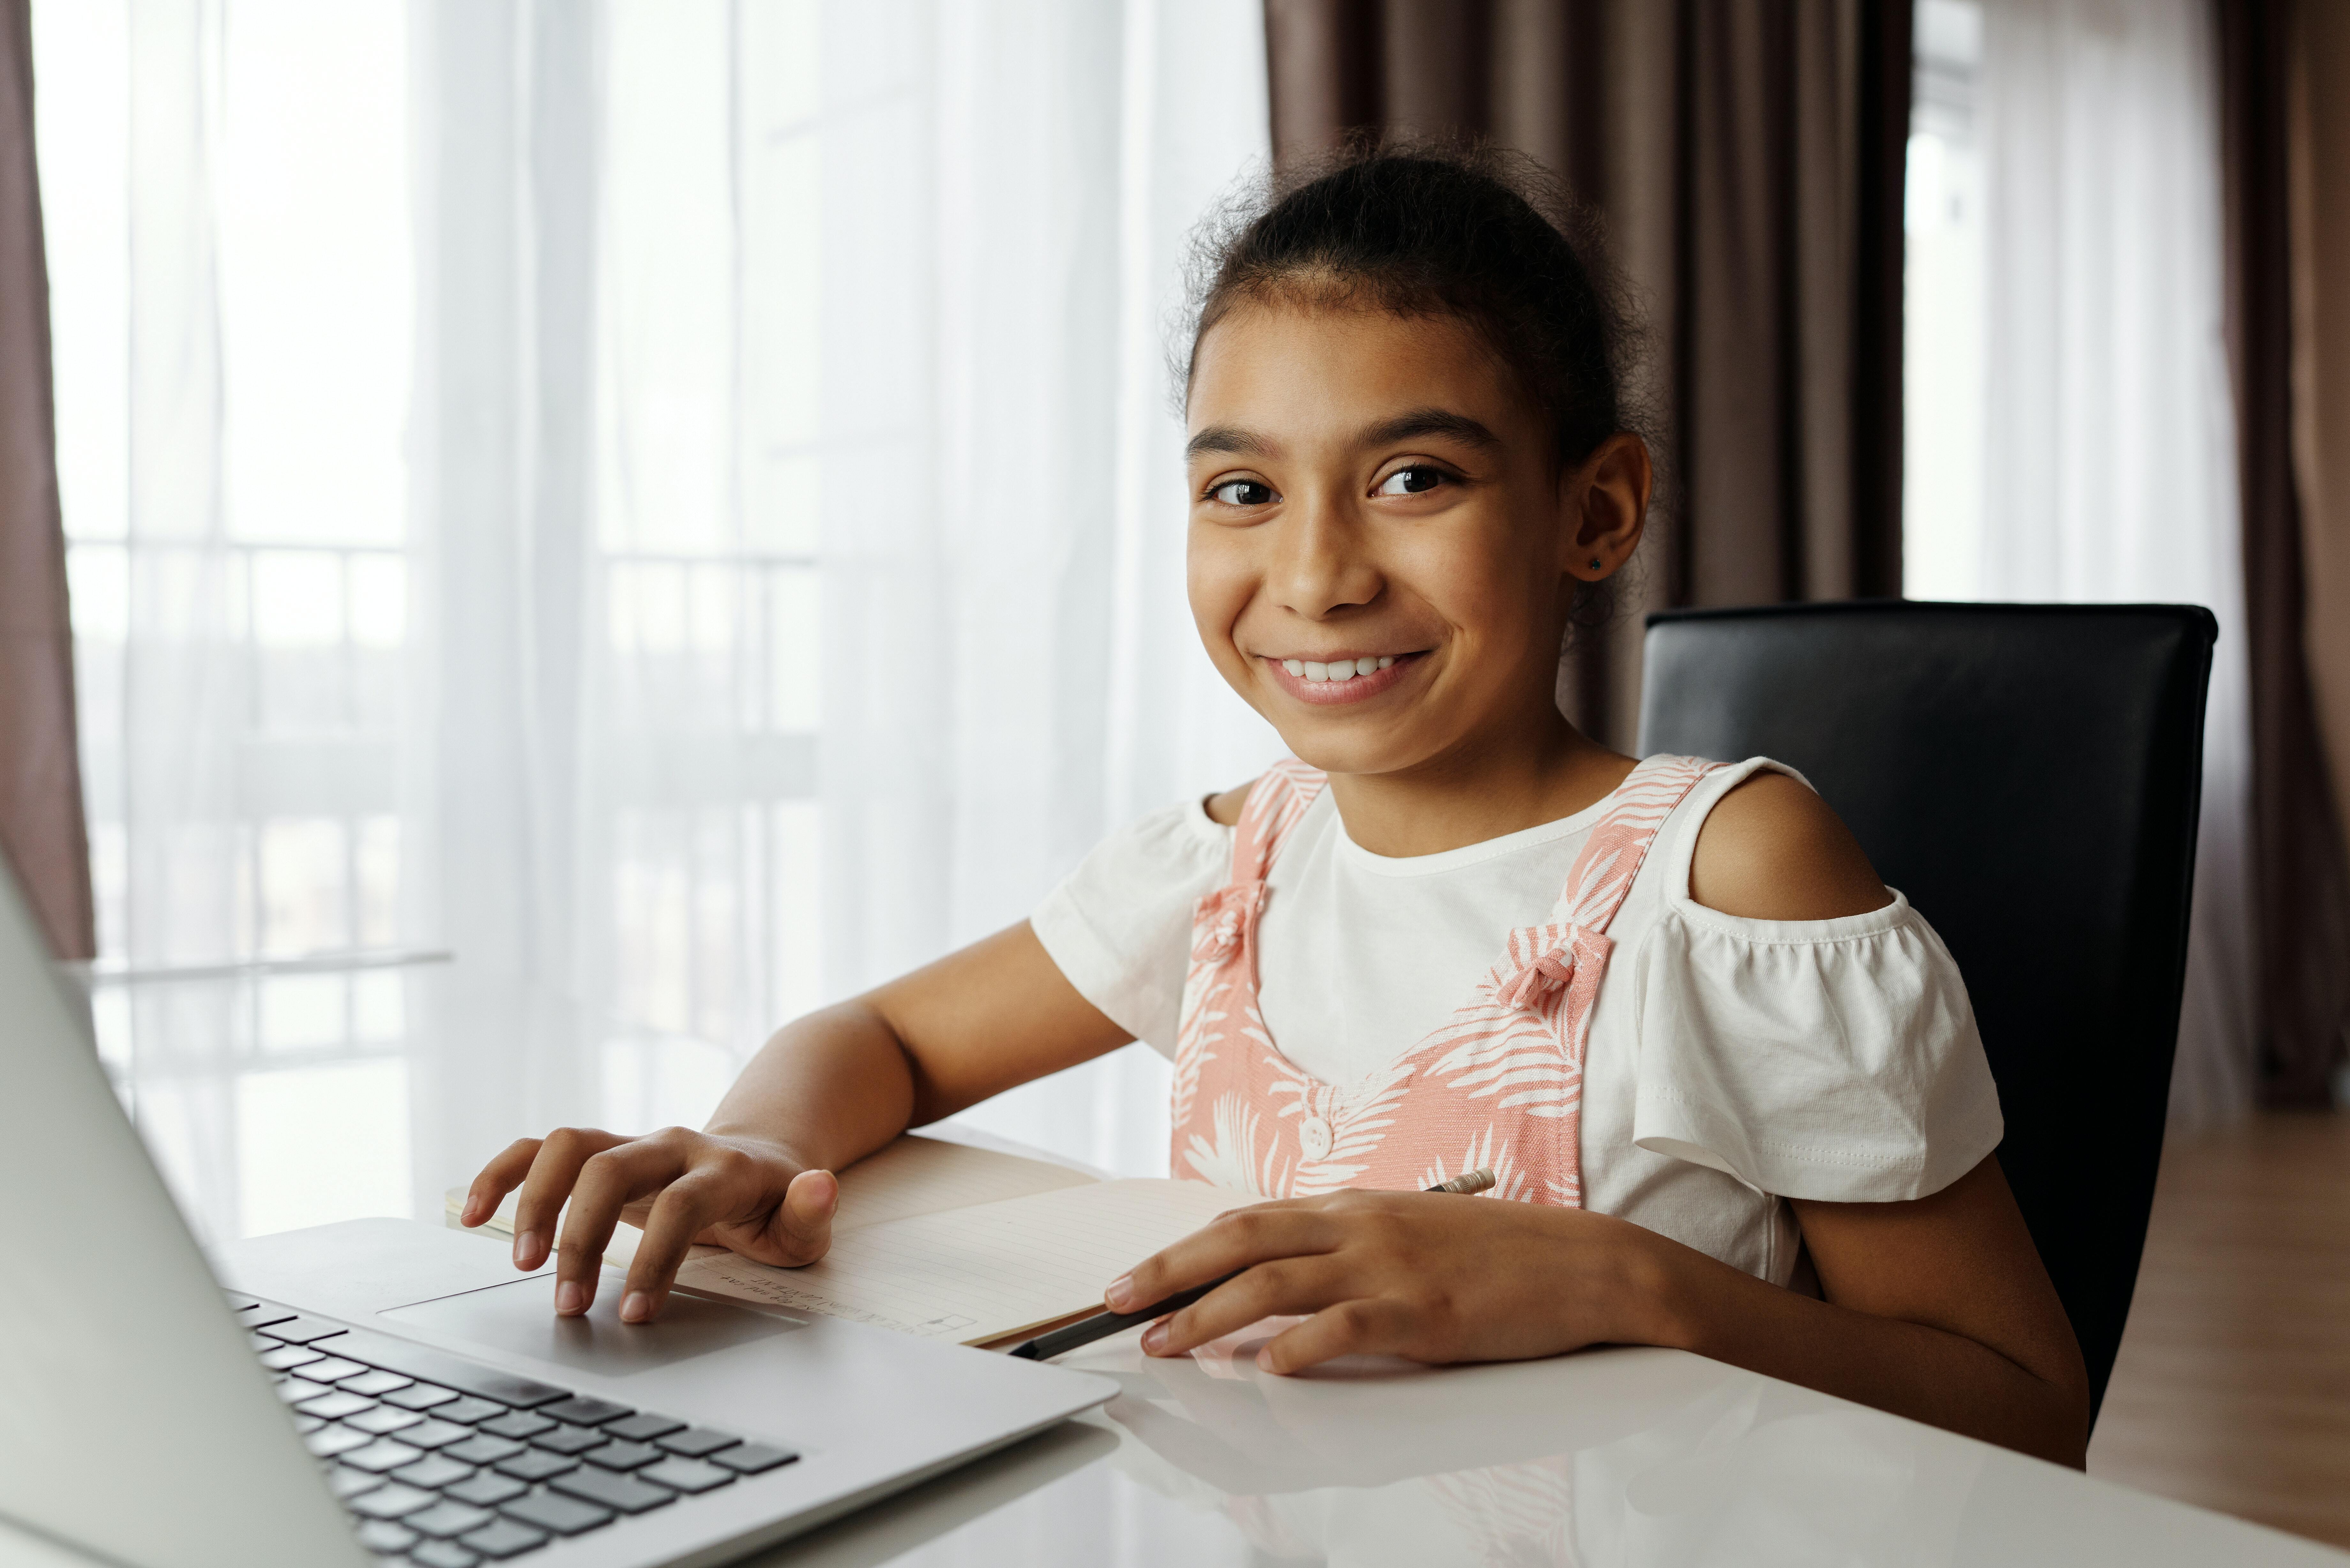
[1313, 1138]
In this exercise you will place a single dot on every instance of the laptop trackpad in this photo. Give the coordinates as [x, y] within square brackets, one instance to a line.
[520, 1317]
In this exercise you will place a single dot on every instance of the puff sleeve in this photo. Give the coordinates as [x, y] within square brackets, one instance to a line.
[1120, 926]
[1832, 1060]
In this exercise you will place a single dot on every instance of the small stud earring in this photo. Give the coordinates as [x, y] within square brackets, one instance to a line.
[1595, 563]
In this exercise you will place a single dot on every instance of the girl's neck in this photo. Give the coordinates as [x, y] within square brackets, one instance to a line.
[1478, 792]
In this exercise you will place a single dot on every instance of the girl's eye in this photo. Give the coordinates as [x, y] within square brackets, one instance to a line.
[1417, 480]
[1242, 492]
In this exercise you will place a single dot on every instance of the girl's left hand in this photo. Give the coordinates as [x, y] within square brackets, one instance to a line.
[1429, 1277]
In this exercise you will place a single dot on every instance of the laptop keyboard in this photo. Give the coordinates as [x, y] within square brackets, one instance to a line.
[445, 1463]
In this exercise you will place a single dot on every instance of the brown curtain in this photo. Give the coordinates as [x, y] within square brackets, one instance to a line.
[41, 834]
[1747, 157]
[2301, 892]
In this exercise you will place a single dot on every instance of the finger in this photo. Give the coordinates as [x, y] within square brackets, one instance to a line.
[499, 1176]
[801, 1231]
[1367, 1325]
[553, 1170]
[1281, 1286]
[682, 1212]
[1239, 1238]
[607, 1181]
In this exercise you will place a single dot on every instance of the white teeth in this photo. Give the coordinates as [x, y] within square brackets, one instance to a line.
[1337, 670]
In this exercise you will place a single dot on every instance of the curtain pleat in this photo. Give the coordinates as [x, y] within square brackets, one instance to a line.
[41, 830]
[1746, 158]
[2300, 888]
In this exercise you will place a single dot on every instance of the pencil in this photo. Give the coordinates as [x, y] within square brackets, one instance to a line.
[1102, 1324]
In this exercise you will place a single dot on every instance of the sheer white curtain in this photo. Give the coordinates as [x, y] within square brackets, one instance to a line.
[2074, 420]
[673, 505]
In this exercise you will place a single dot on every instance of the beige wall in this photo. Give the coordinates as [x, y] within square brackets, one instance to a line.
[2321, 216]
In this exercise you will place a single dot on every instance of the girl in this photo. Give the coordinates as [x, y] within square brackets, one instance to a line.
[1668, 1001]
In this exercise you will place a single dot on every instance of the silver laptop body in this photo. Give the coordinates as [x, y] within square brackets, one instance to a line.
[138, 1422]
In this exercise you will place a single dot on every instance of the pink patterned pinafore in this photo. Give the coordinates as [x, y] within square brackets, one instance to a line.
[1498, 1084]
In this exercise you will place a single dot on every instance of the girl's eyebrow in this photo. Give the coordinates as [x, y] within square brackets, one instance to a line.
[1429, 423]
[1228, 439]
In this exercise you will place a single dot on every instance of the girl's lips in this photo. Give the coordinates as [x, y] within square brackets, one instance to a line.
[1330, 693]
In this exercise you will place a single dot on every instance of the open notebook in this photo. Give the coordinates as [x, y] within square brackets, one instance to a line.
[950, 1242]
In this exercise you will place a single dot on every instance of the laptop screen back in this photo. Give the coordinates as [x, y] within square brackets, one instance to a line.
[134, 1422]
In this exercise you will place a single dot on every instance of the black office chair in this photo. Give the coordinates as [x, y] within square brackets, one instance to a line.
[2029, 775]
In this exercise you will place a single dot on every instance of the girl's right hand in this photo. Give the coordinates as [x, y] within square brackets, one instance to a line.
[679, 1186]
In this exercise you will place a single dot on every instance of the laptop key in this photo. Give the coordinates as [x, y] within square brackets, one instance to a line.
[468, 1411]
[383, 1454]
[582, 1410]
[506, 1538]
[623, 1456]
[564, 1515]
[534, 1465]
[390, 1501]
[375, 1385]
[305, 1425]
[330, 1368]
[287, 1357]
[448, 1519]
[434, 1472]
[419, 1397]
[441, 1554]
[626, 1493]
[429, 1365]
[563, 1438]
[383, 1419]
[481, 1448]
[382, 1536]
[338, 1405]
[347, 1483]
[300, 1330]
[434, 1434]
[697, 1443]
[328, 1441]
[486, 1490]
[752, 1458]
[642, 1429]
[519, 1424]
[687, 1474]
[294, 1390]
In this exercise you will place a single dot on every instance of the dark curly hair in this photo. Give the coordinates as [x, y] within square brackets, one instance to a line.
[1461, 228]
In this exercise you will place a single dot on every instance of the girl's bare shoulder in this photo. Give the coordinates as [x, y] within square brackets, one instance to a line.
[1224, 810]
[1773, 850]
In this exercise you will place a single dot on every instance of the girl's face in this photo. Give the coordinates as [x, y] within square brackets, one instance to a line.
[1381, 557]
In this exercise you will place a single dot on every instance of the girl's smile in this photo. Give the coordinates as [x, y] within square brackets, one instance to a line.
[1351, 678]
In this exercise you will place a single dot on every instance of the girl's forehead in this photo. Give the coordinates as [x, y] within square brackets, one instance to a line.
[1307, 367]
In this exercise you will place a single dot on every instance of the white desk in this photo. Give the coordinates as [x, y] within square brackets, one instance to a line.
[1618, 1456]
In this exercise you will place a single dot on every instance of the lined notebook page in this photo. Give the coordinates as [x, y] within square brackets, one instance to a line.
[917, 1175]
[980, 1273]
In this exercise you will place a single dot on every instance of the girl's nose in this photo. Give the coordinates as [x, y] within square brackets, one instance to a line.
[1321, 564]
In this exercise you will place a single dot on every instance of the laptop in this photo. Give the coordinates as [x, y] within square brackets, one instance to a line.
[389, 1392]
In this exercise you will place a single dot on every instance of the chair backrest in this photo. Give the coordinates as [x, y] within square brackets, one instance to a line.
[2029, 775]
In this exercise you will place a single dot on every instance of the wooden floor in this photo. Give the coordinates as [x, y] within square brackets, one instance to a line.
[2232, 1389]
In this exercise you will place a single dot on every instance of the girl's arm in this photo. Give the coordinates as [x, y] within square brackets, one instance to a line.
[1938, 1308]
[823, 1092]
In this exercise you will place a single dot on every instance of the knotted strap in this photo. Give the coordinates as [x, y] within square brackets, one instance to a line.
[1540, 962]
[1222, 918]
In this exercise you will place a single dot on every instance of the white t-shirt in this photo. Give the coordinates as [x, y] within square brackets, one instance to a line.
[1731, 1063]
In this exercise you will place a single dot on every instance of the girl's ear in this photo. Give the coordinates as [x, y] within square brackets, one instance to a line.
[1604, 507]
